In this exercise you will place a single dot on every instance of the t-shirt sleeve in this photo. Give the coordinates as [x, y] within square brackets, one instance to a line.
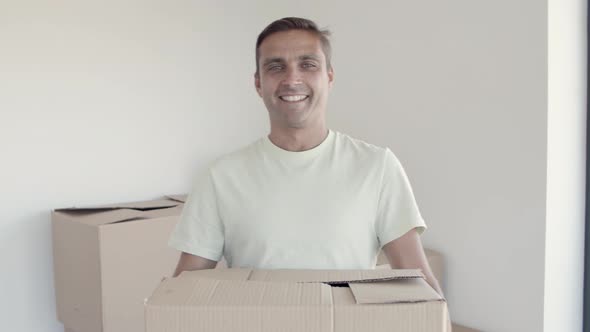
[397, 211]
[200, 228]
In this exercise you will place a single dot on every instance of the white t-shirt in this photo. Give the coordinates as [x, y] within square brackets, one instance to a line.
[330, 207]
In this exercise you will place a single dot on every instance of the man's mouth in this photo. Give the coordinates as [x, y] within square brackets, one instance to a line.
[293, 98]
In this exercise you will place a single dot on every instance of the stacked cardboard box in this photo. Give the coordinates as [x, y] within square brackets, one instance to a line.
[108, 259]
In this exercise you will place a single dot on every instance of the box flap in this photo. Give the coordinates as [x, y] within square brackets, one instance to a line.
[394, 291]
[324, 276]
[180, 198]
[142, 206]
[334, 276]
[210, 292]
[110, 214]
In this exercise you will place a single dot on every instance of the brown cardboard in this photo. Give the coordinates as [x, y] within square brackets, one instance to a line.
[108, 259]
[296, 300]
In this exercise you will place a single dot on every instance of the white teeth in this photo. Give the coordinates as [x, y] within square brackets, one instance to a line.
[293, 98]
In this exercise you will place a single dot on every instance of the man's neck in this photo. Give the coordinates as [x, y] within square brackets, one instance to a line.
[298, 139]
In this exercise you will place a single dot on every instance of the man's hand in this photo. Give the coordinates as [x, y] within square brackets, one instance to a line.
[189, 262]
[406, 252]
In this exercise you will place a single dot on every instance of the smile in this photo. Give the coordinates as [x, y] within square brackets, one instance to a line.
[294, 98]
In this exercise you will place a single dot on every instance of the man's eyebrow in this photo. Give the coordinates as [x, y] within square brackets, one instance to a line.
[271, 60]
[309, 57]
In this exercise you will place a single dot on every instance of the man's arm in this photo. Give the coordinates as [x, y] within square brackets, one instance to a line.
[406, 252]
[189, 262]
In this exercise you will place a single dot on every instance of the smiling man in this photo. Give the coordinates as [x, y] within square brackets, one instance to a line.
[305, 196]
[293, 77]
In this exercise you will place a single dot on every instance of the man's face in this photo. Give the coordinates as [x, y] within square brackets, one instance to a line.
[293, 79]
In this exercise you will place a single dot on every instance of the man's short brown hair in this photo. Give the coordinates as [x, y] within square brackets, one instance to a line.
[296, 23]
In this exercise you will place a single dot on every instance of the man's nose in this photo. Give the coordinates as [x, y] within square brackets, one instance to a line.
[292, 76]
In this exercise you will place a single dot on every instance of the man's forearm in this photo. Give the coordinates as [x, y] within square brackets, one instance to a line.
[188, 262]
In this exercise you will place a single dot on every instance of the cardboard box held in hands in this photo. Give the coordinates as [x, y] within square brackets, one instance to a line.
[296, 300]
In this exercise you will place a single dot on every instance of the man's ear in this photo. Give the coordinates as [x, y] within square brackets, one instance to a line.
[330, 76]
[257, 84]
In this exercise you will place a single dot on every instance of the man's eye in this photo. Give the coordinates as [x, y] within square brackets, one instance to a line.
[275, 68]
[308, 65]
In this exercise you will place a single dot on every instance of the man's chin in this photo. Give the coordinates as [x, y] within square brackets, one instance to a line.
[297, 107]
[292, 117]
[295, 123]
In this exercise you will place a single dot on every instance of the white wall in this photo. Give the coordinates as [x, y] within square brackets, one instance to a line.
[108, 102]
[566, 159]
[104, 102]
[458, 90]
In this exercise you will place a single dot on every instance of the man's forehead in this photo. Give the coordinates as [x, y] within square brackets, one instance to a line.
[292, 44]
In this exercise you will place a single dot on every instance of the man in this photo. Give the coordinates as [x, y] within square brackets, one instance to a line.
[305, 196]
